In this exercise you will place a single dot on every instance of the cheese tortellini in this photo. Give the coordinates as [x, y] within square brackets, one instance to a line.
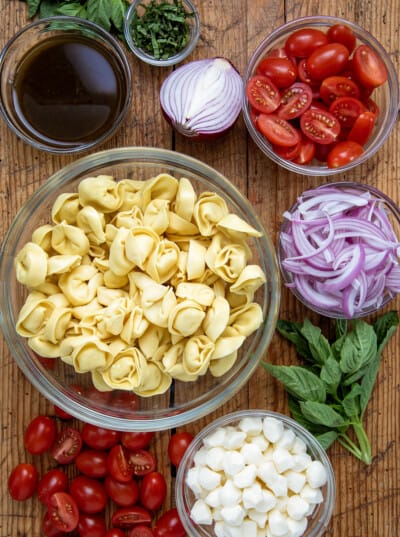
[140, 283]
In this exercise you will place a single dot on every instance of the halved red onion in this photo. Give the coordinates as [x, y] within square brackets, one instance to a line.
[202, 99]
[340, 252]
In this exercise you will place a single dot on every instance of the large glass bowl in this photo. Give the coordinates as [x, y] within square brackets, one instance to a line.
[184, 401]
[385, 96]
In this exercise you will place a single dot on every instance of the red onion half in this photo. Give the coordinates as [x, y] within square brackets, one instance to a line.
[339, 249]
[202, 99]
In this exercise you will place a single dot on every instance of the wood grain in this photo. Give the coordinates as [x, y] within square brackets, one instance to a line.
[368, 500]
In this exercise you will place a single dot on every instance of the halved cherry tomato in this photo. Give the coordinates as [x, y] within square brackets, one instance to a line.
[327, 60]
[177, 446]
[67, 445]
[22, 481]
[288, 153]
[340, 33]
[53, 481]
[368, 67]
[141, 531]
[142, 462]
[362, 128]
[40, 435]
[123, 494]
[294, 101]
[281, 71]
[306, 152]
[334, 87]
[320, 126]
[277, 130]
[153, 490]
[262, 94]
[139, 440]
[343, 153]
[119, 465]
[89, 494]
[98, 437]
[91, 526]
[169, 525]
[127, 517]
[346, 110]
[63, 511]
[48, 529]
[302, 43]
[92, 462]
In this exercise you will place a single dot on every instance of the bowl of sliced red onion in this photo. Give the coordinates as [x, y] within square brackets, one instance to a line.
[339, 249]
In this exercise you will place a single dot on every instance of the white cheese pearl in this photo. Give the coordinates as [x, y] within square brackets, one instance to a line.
[259, 518]
[200, 457]
[213, 498]
[311, 495]
[215, 458]
[299, 446]
[214, 439]
[277, 523]
[251, 453]
[201, 513]
[287, 439]
[297, 527]
[297, 507]
[229, 494]
[272, 429]
[316, 474]
[192, 480]
[233, 515]
[234, 439]
[208, 479]
[267, 503]
[249, 528]
[276, 482]
[295, 480]
[246, 477]
[251, 426]
[219, 529]
[301, 462]
[252, 496]
[282, 459]
[233, 462]
[261, 442]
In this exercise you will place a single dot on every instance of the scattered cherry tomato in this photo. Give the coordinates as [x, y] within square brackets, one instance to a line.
[91, 526]
[63, 511]
[320, 126]
[142, 462]
[89, 494]
[281, 71]
[137, 440]
[141, 531]
[40, 435]
[369, 68]
[123, 494]
[119, 465]
[67, 445]
[92, 462]
[343, 153]
[278, 131]
[126, 517]
[302, 43]
[52, 481]
[262, 94]
[340, 33]
[22, 481]
[98, 437]
[177, 445]
[169, 525]
[153, 490]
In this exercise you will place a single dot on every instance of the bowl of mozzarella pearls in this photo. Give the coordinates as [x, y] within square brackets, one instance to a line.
[144, 291]
[255, 473]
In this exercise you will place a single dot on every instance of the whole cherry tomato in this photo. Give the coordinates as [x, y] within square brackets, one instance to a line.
[126, 517]
[169, 525]
[91, 526]
[153, 490]
[22, 481]
[262, 94]
[40, 434]
[102, 398]
[177, 445]
[368, 67]
[142, 462]
[137, 440]
[362, 128]
[98, 437]
[67, 445]
[123, 494]
[63, 511]
[141, 531]
[281, 71]
[340, 33]
[343, 153]
[126, 402]
[53, 481]
[327, 60]
[302, 43]
[92, 462]
[118, 464]
[306, 152]
[89, 494]
[278, 131]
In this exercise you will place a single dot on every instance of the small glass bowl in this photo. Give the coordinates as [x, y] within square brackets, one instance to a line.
[37, 34]
[193, 21]
[183, 402]
[385, 96]
[318, 521]
[392, 212]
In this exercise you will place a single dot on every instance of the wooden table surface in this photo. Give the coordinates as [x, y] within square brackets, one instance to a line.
[368, 500]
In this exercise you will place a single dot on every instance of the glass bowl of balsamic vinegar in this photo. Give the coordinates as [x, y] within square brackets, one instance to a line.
[65, 84]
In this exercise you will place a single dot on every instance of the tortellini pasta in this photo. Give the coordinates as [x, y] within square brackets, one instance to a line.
[140, 283]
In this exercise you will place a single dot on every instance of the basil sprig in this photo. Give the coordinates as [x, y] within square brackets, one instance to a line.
[329, 393]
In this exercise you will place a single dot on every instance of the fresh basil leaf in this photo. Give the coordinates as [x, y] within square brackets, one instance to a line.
[351, 402]
[118, 9]
[295, 411]
[48, 8]
[359, 347]
[331, 374]
[385, 327]
[72, 9]
[33, 6]
[336, 347]
[326, 439]
[355, 377]
[99, 11]
[322, 414]
[299, 381]
[292, 332]
[340, 328]
[318, 344]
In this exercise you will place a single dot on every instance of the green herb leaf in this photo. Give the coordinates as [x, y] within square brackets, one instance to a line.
[341, 328]
[48, 9]
[385, 327]
[326, 439]
[318, 344]
[351, 402]
[331, 374]
[322, 414]
[99, 11]
[295, 411]
[33, 6]
[299, 381]
[359, 347]
[292, 332]
[73, 9]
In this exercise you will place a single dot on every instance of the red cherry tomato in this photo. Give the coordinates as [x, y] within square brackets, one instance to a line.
[47, 363]
[362, 128]
[126, 517]
[177, 445]
[92, 462]
[368, 67]
[125, 401]
[62, 414]
[53, 481]
[302, 43]
[340, 33]
[89, 494]
[142, 462]
[334, 87]
[115, 532]
[48, 528]
[281, 71]
[371, 106]
[102, 398]
[169, 525]
[22, 482]
[294, 101]
[141, 531]
[278, 131]
[91, 526]
[322, 151]
[63, 511]
[98, 437]
[346, 110]
[123, 494]
[288, 153]
[327, 60]
[306, 152]
[119, 465]
[135, 441]
[320, 126]
[343, 153]
[40, 434]
[67, 445]
[262, 94]
[153, 490]
[304, 75]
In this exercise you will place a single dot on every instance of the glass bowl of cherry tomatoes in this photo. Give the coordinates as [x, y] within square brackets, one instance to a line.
[321, 95]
